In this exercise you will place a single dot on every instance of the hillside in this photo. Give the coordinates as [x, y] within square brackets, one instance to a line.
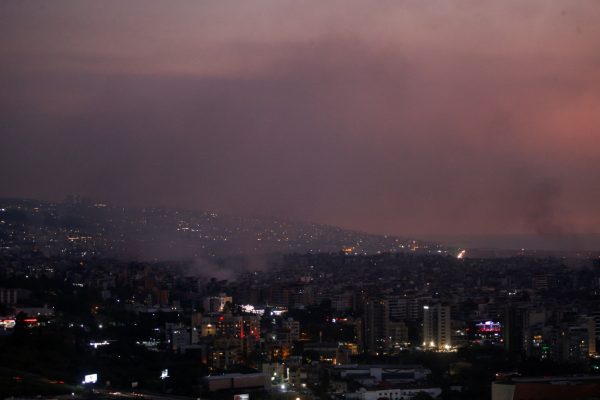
[78, 225]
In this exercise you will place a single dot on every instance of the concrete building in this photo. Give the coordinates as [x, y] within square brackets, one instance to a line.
[547, 388]
[437, 330]
[376, 317]
[403, 308]
[216, 304]
[515, 320]
[394, 393]
[293, 327]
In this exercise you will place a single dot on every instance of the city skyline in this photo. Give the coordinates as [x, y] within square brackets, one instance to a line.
[299, 200]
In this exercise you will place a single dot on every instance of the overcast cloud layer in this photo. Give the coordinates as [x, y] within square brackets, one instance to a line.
[391, 117]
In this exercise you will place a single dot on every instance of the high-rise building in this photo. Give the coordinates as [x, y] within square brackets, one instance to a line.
[437, 333]
[515, 317]
[596, 327]
[428, 327]
[376, 317]
[396, 333]
[403, 308]
[444, 328]
[293, 327]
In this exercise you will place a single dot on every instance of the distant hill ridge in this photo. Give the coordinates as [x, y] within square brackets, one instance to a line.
[79, 224]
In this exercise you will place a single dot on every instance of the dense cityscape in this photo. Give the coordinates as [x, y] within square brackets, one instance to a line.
[419, 322]
[299, 200]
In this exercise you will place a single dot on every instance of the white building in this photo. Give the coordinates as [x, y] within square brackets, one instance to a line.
[393, 394]
[437, 332]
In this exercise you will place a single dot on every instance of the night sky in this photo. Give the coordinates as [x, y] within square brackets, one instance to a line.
[404, 117]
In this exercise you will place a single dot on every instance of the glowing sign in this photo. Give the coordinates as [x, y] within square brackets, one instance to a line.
[96, 344]
[164, 374]
[279, 311]
[92, 378]
[488, 326]
[249, 308]
[7, 323]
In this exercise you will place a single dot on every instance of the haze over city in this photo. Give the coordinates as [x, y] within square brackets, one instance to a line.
[406, 117]
[299, 200]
